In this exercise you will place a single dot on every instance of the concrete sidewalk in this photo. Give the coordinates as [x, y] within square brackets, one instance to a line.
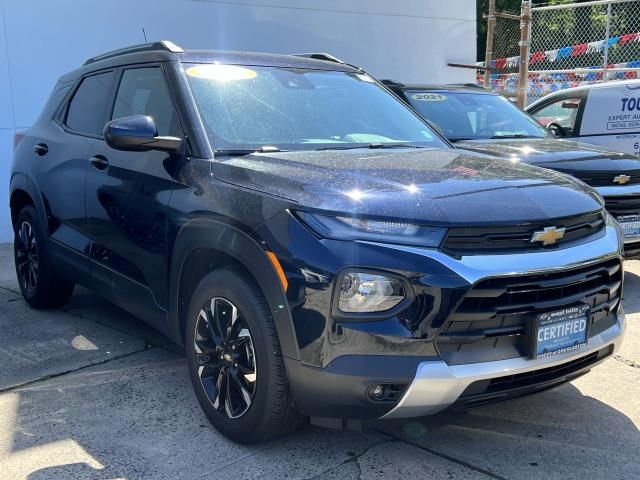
[91, 392]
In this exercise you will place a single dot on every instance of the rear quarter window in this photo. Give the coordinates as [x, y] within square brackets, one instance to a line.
[55, 103]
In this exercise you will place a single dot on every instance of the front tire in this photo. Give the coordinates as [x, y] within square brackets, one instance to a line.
[235, 362]
[40, 285]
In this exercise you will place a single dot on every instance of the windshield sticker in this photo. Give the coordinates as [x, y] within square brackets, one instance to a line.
[429, 97]
[221, 73]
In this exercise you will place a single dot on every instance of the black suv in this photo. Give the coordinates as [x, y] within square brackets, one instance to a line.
[482, 121]
[317, 249]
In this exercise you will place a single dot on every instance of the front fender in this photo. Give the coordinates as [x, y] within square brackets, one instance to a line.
[206, 233]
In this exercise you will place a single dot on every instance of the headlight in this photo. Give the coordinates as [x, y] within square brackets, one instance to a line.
[361, 292]
[356, 228]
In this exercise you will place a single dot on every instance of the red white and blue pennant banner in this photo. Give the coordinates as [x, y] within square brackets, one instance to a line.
[564, 52]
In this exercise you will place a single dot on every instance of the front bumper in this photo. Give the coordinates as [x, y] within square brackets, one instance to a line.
[354, 357]
[438, 385]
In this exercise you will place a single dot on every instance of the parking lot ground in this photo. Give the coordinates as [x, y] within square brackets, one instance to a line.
[91, 392]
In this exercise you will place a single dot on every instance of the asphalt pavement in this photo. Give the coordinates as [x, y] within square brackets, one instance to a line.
[92, 392]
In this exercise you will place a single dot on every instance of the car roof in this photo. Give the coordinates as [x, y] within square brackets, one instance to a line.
[131, 56]
[452, 87]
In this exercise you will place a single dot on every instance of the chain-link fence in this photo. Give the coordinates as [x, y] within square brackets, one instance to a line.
[578, 44]
[570, 45]
[504, 44]
[506, 51]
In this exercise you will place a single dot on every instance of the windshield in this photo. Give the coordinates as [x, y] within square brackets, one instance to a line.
[472, 116]
[254, 108]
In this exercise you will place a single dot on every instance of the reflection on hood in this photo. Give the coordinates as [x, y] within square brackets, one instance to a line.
[431, 186]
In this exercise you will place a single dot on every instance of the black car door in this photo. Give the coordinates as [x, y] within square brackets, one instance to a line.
[61, 153]
[127, 195]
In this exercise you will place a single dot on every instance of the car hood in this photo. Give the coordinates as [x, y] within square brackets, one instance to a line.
[562, 155]
[431, 186]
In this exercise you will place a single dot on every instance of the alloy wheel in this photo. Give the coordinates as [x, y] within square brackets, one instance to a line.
[225, 357]
[27, 257]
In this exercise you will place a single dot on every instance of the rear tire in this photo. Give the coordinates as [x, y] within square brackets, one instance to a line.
[41, 287]
[235, 362]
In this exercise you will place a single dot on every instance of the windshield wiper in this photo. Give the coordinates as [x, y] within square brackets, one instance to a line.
[239, 152]
[515, 135]
[458, 139]
[373, 146]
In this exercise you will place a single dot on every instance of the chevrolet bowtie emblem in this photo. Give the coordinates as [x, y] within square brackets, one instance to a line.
[622, 179]
[548, 236]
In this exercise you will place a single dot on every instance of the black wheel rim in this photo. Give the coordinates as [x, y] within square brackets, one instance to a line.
[225, 357]
[27, 257]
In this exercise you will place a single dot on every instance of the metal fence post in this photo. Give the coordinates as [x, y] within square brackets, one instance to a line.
[491, 25]
[605, 60]
[525, 46]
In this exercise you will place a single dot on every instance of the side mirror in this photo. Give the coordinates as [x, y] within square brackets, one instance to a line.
[138, 134]
[571, 105]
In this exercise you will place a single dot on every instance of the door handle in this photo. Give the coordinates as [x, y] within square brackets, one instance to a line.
[40, 149]
[99, 162]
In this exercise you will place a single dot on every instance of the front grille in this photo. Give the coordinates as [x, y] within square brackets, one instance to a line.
[623, 205]
[511, 386]
[494, 319]
[605, 179]
[462, 241]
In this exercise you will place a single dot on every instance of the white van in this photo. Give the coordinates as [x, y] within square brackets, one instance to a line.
[606, 114]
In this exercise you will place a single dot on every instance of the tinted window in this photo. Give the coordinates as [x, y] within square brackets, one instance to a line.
[300, 109]
[463, 115]
[54, 104]
[88, 106]
[143, 91]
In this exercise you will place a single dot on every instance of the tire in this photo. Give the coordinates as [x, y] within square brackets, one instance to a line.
[41, 287]
[260, 405]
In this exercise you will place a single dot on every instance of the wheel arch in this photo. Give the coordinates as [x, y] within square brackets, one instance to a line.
[19, 199]
[23, 192]
[204, 245]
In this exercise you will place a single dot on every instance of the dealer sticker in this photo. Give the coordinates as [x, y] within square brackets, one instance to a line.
[560, 331]
[429, 97]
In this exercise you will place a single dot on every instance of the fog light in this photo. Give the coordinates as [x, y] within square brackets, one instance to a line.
[366, 292]
[378, 392]
[386, 392]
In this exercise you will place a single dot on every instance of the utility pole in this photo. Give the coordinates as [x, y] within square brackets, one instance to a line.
[491, 26]
[605, 60]
[525, 47]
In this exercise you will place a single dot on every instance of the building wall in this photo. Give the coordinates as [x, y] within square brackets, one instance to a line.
[408, 40]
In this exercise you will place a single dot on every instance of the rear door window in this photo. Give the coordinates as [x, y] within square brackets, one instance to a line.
[88, 106]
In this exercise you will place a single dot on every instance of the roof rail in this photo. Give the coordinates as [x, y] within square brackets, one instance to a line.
[391, 83]
[327, 58]
[165, 45]
[468, 85]
[319, 56]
